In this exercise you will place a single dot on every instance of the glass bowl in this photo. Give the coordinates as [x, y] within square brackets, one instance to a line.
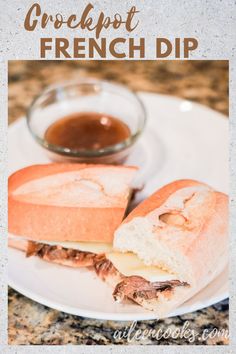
[87, 95]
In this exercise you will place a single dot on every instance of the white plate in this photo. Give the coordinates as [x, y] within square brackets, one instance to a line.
[181, 140]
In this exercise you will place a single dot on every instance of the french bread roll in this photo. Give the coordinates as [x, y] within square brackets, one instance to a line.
[181, 229]
[68, 202]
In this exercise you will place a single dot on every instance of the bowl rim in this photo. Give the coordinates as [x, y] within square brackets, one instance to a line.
[111, 149]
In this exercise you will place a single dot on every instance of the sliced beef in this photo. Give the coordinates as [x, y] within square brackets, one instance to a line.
[104, 268]
[33, 248]
[60, 254]
[134, 287]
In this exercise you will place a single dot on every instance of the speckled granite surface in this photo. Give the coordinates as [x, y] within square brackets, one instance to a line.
[202, 81]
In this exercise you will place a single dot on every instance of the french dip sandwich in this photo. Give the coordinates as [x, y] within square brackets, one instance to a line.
[170, 247]
[165, 251]
[67, 213]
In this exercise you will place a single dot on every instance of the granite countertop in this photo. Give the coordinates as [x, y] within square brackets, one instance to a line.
[201, 81]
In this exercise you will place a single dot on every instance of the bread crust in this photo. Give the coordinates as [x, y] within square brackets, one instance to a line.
[62, 223]
[33, 172]
[159, 197]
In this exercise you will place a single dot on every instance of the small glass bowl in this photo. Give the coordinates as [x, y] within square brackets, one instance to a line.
[87, 95]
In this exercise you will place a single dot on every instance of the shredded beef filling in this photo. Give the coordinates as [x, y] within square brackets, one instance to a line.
[133, 287]
[57, 254]
[130, 287]
[104, 268]
[136, 287]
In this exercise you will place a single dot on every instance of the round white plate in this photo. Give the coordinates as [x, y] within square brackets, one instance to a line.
[181, 140]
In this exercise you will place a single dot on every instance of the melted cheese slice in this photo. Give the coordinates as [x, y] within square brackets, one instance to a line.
[93, 247]
[129, 264]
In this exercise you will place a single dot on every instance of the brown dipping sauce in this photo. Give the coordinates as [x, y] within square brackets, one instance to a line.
[87, 131]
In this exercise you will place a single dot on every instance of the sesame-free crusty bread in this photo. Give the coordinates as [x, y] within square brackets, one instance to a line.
[183, 229]
[68, 202]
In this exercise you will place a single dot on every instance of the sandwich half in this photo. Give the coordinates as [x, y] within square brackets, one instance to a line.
[67, 213]
[168, 248]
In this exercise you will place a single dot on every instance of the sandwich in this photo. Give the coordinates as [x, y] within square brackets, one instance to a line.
[167, 249]
[67, 213]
